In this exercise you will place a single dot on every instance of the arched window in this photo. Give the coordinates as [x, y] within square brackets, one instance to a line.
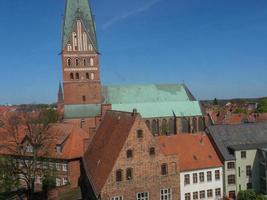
[84, 62]
[164, 128]
[69, 48]
[195, 129]
[171, 126]
[92, 76]
[77, 76]
[71, 76]
[155, 130]
[77, 62]
[91, 62]
[201, 123]
[148, 124]
[87, 75]
[69, 62]
[75, 41]
[84, 41]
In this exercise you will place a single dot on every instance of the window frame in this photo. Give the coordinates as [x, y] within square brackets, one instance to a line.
[164, 169]
[145, 197]
[187, 179]
[166, 194]
[118, 175]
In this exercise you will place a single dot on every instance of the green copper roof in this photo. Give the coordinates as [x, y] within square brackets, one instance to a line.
[146, 93]
[78, 9]
[162, 109]
[81, 111]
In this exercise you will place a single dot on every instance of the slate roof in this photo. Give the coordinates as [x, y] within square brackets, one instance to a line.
[194, 151]
[106, 145]
[226, 136]
[78, 9]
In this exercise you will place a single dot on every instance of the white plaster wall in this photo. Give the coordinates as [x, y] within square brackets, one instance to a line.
[197, 187]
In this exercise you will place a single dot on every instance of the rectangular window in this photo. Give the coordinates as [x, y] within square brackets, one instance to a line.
[209, 193]
[58, 166]
[217, 175]
[248, 170]
[119, 175]
[129, 174]
[201, 177]
[195, 195]
[186, 179]
[140, 133]
[166, 194]
[231, 165]
[209, 176]
[65, 181]
[164, 169]
[117, 198]
[231, 179]
[58, 182]
[218, 192]
[65, 167]
[142, 196]
[187, 196]
[202, 194]
[152, 151]
[243, 154]
[239, 172]
[195, 178]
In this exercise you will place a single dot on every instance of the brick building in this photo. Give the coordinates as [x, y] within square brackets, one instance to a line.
[124, 161]
[167, 108]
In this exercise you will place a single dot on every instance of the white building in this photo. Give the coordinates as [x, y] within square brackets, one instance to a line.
[201, 171]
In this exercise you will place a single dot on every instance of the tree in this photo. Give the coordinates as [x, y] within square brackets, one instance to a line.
[262, 107]
[27, 143]
[246, 195]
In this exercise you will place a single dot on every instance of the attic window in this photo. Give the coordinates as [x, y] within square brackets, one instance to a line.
[129, 153]
[152, 151]
[58, 148]
[119, 175]
[140, 134]
[29, 148]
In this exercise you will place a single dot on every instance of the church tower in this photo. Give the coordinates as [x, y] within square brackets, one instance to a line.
[80, 56]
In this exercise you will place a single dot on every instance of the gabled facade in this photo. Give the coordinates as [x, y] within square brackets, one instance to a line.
[124, 161]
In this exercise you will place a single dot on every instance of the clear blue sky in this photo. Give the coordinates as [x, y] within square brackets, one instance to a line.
[218, 48]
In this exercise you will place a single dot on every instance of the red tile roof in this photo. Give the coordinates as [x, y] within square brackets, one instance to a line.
[106, 145]
[194, 151]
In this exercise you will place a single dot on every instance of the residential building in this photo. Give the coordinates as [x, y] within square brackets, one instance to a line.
[124, 161]
[238, 147]
[167, 108]
[201, 172]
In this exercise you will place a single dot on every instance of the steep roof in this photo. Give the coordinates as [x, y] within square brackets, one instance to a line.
[194, 151]
[78, 9]
[227, 136]
[106, 145]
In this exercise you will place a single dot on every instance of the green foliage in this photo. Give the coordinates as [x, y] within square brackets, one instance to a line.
[262, 107]
[49, 179]
[8, 181]
[240, 111]
[48, 116]
[250, 195]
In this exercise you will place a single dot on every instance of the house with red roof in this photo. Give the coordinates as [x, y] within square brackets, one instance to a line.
[201, 172]
[124, 161]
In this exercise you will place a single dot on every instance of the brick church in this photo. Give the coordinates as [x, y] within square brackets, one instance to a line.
[166, 108]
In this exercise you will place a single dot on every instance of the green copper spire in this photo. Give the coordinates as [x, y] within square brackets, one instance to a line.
[78, 9]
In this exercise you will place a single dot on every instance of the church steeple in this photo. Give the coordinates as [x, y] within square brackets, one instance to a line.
[80, 57]
[78, 9]
[60, 99]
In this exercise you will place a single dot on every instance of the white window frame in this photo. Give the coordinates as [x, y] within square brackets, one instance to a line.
[142, 198]
[64, 167]
[58, 166]
[64, 181]
[117, 198]
[58, 182]
[166, 194]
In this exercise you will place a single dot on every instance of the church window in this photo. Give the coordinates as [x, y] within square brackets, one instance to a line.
[195, 129]
[91, 62]
[87, 75]
[84, 62]
[154, 127]
[75, 41]
[77, 62]
[69, 48]
[77, 76]
[69, 62]
[84, 41]
[71, 76]
[92, 76]
[164, 129]
[171, 126]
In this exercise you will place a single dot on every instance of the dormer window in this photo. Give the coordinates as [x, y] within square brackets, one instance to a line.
[140, 134]
[58, 148]
[29, 148]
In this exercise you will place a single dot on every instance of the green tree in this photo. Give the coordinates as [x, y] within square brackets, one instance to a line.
[262, 107]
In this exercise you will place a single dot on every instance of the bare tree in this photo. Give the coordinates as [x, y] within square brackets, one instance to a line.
[27, 144]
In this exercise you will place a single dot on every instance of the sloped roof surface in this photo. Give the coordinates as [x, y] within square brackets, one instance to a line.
[106, 145]
[78, 9]
[194, 151]
[226, 136]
